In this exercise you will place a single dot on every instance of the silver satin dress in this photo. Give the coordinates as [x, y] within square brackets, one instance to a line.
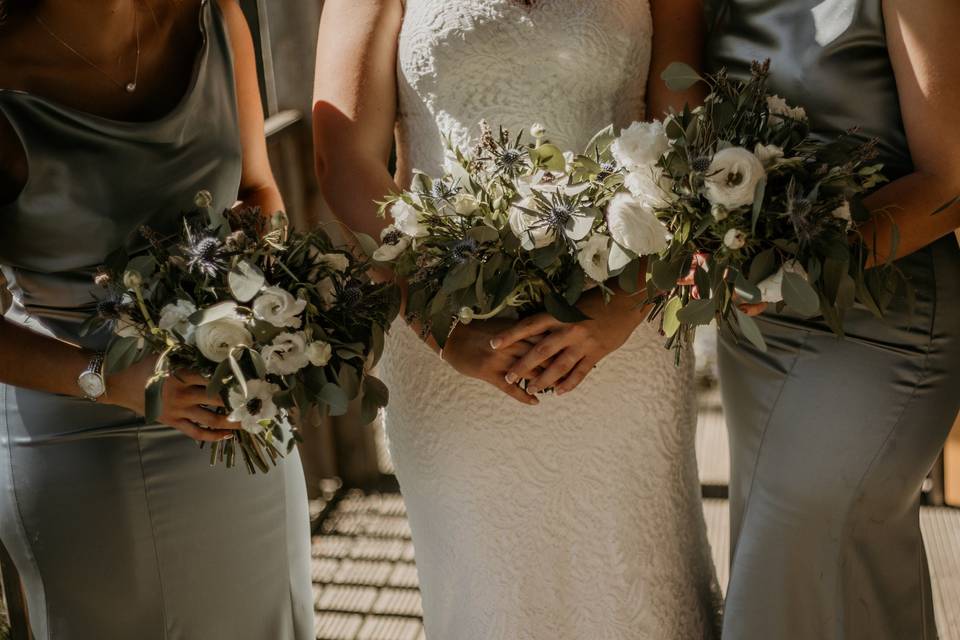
[831, 439]
[120, 529]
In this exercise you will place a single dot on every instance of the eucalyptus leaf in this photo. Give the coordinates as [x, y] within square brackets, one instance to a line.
[746, 290]
[629, 278]
[698, 312]
[461, 276]
[562, 310]
[367, 244]
[153, 399]
[336, 400]
[245, 280]
[799, 295]
[680, 76]
[376, 395]
[121, 353]
[671, 323]
[750, 330]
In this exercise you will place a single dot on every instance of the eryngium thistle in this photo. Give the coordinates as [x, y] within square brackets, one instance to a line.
[205, 255]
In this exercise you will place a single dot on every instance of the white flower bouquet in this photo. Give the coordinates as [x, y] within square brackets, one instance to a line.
[276, 320]
[517, 226]
[758, 211]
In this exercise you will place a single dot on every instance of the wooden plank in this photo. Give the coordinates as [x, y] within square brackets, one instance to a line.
[951, 467]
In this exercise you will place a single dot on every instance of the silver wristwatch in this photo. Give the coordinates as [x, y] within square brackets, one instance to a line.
[91, 381]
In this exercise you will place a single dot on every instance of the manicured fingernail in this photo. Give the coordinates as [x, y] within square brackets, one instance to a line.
[495, 344]
[560, 391]
[229, 436]
[511, 378]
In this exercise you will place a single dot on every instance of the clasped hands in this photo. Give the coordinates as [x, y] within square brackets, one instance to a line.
[541, 350]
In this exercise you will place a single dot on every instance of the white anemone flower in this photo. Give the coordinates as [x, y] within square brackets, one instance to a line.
[593, 255]
[640, 145]
[407, 219]
[255, 409]
[393, 243]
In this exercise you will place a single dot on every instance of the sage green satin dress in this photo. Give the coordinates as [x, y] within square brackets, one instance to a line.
[120, 529]
[831, 439]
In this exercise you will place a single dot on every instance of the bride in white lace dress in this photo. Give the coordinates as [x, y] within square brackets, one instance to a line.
[575, 516]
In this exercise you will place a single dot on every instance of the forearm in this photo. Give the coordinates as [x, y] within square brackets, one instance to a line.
[266, 198]
[908, 204]
[34, 361]
[352, 187]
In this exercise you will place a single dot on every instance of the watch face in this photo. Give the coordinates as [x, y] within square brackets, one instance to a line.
[91, 384]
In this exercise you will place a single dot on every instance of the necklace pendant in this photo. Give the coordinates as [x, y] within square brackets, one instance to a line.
[131, 87]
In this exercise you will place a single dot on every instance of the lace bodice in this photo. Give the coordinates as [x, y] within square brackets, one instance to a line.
[571, 65]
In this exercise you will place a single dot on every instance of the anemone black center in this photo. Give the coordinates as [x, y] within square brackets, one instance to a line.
[254, 406]
[393, 237]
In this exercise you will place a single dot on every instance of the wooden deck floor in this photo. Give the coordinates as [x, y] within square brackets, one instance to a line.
[366, 583]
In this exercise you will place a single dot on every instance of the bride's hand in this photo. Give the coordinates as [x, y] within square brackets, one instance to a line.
[469, 351]
[571, 350]
[186, 405]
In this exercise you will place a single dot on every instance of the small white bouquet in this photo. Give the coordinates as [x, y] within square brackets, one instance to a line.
[275, 320]
[518, 225]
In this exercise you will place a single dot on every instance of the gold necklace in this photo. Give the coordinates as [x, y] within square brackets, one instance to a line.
[129, 87]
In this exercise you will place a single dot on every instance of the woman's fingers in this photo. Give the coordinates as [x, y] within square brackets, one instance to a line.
[526, 329]
[200, 434]
[198, 396]
[210, 419]
[535, 357]
[191, 378]
[515, 392]
[559, 368]
[753, 309]
[578, 375]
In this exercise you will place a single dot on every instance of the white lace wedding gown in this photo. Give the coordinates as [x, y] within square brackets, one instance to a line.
[579, 519]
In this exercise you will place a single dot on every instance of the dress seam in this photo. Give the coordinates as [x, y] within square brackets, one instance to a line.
[153, 533]
[756, 461]
[19, 514]
[924, 373]
[286, 550]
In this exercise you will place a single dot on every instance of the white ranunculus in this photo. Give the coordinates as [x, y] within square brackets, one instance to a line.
[533, 233]
[634, 226]
[407, 219]
[650, 185]
[216, 339]
[771, 288]
[176, 317]
[537, 130]
[254, 407]
[465, 204]
[734, 239]
[319, 353]
[327, 291]
[640, 145]
[394, 242]
[336, 261]
[779, 109]
[843, 212]
[768, 154]
[466, 315]
[733, 177]
[719, 213]
[593, 255]
[286, 355]
[278, 307]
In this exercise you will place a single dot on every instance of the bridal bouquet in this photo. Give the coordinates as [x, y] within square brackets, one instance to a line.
[276, 320]
[757, 209]
[517, 226]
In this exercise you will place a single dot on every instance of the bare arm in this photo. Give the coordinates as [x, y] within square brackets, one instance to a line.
[922, 43]
[678, 36]
[354, 112]
[258, 188]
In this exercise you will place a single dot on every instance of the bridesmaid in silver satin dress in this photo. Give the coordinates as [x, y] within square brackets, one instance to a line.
[831, 439]
[114, 114]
